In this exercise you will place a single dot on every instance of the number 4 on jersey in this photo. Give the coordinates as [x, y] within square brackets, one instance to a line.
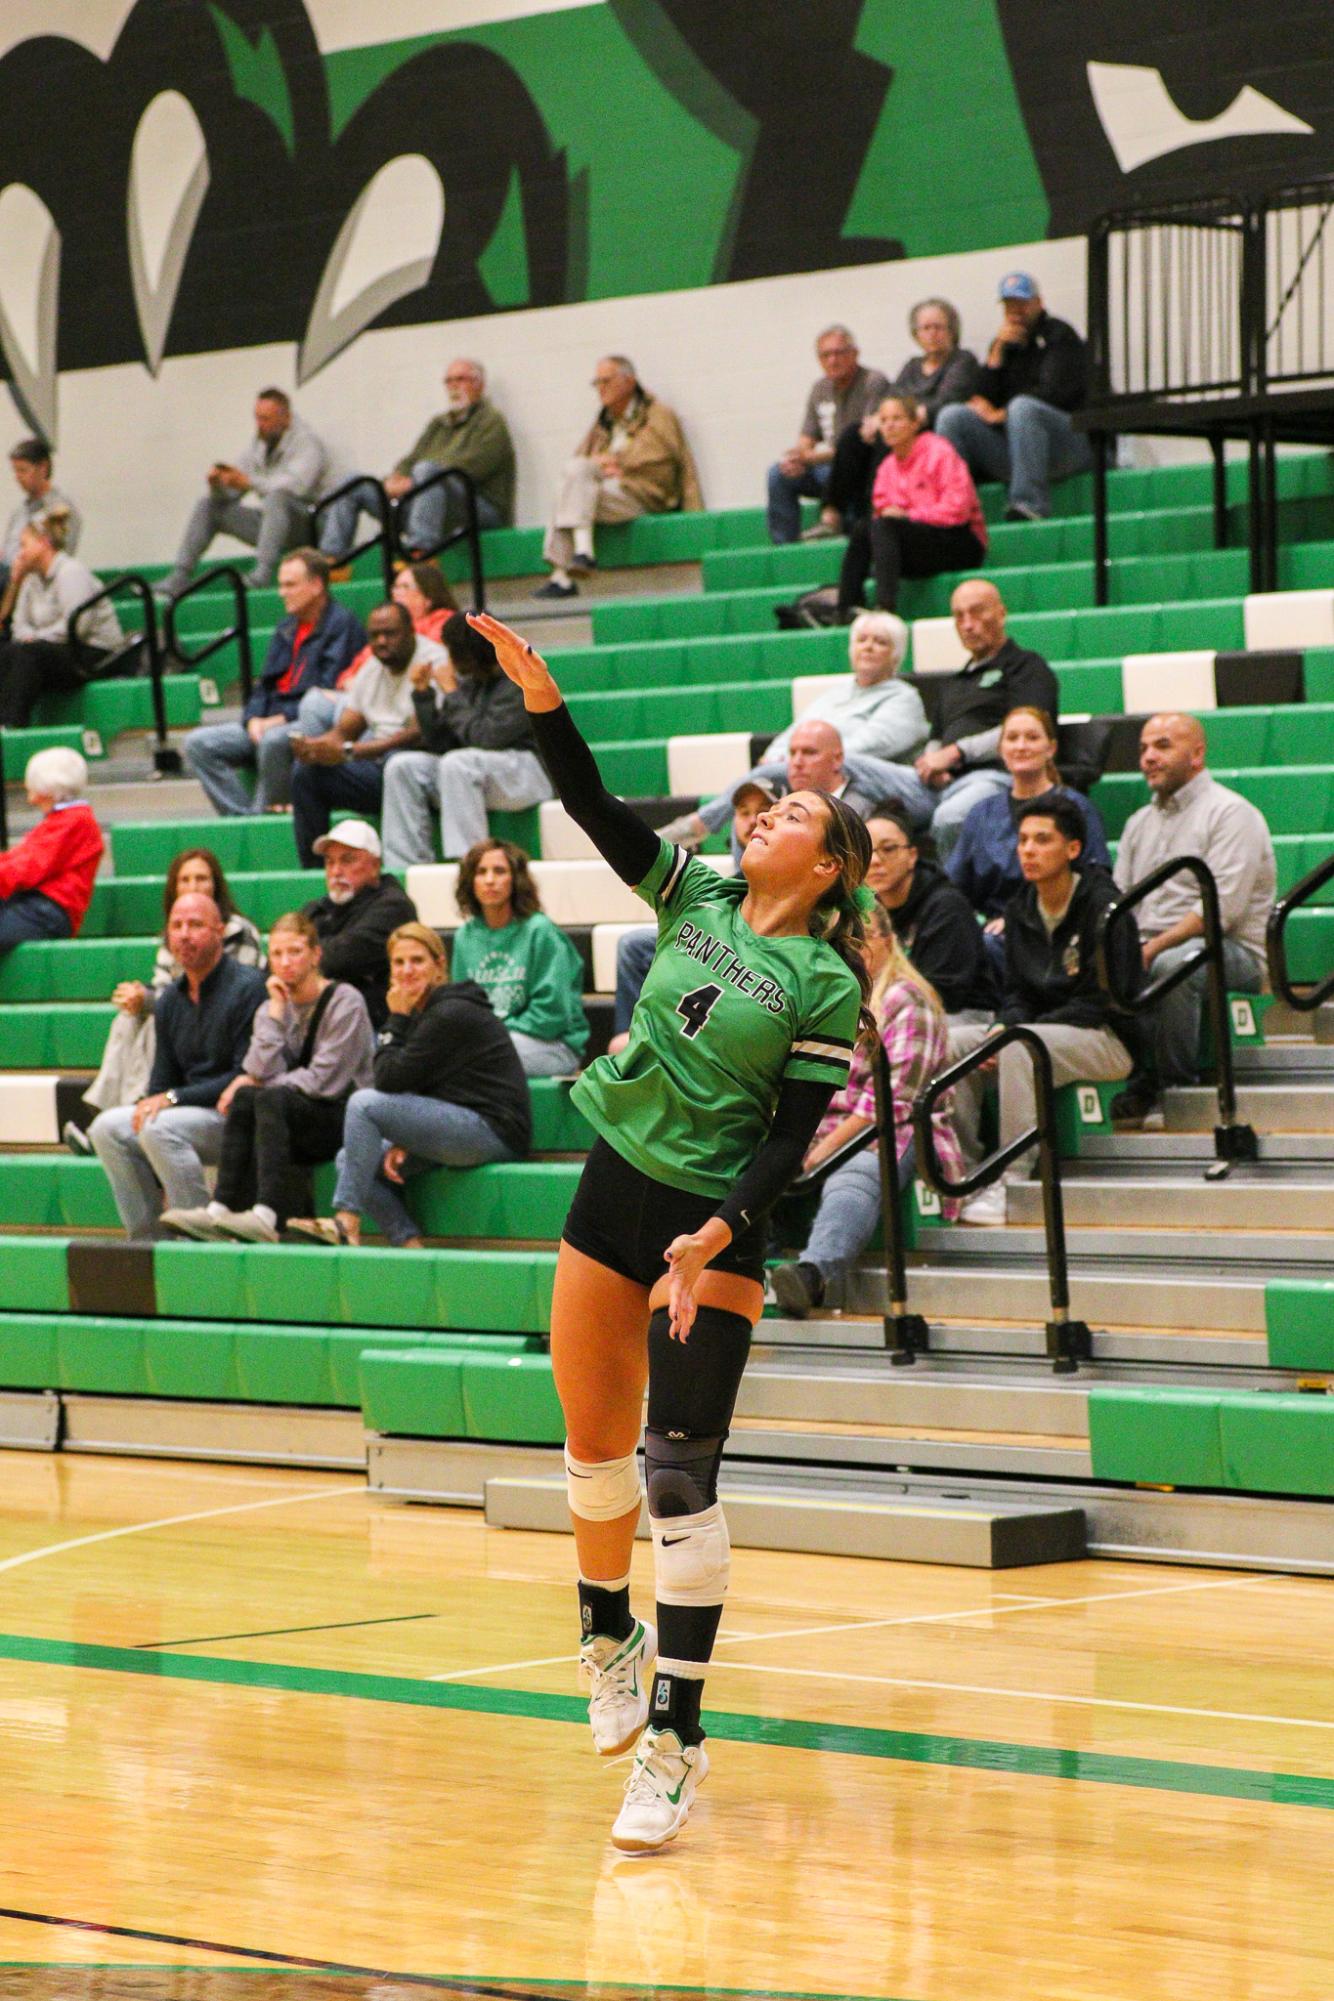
[696, 1007]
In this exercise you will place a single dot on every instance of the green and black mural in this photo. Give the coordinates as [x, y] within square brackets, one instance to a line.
[207, 178]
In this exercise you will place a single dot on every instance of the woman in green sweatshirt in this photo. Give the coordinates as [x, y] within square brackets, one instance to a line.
[529, 968]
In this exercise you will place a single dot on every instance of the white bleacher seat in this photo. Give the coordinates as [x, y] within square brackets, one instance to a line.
[1151, 682]
[28, 1110]
[936, 647]
[571, 892]
[606, 937]
[561, 839]
[703, 765]
[807, 687]
[1277, 621]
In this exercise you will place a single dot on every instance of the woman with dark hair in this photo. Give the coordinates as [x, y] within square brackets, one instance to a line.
[423, 592]
[925, 514]
[529, 969]
[744, 1028]
[132, 1041]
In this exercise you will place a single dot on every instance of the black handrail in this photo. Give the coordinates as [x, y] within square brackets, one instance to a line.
[1069, 1342]
[376, 503]
[131, 583]
[470, 531]
[1234, 1140]
[906, 1334]
[1276, 944]
[238, 630]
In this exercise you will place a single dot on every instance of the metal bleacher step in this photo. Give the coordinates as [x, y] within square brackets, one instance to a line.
[1108, 1296]
[907, 1447]
[1269, 1197]
[1292, 1106]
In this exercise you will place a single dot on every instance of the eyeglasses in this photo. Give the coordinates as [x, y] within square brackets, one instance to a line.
[892, 848]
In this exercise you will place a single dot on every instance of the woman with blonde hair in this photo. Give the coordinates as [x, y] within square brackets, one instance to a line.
[911, 1024]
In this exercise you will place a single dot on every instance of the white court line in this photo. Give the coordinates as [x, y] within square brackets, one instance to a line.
[174, 1521]
[503, 1667]
[1031, 1695]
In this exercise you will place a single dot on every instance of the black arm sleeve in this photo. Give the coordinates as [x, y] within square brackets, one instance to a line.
[619, 835]
[799, 1110]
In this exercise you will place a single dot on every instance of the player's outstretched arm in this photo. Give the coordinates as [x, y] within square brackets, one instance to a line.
[620, 836]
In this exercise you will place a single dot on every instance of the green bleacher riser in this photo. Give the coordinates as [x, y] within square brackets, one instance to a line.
[753, 706]
[125, 904]
[1299, 1322]
[51, 1191]
[257, 844]
[18, 745]
[1294, 798]
[678, 663]
[507, 1291]
[67, 1036]
[33, 1277]
[74, 969]
[1259, 1442]
[528, 1198]
[481, 1394]
[112, 707]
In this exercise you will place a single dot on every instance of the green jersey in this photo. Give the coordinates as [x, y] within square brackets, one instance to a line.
[725, 1018]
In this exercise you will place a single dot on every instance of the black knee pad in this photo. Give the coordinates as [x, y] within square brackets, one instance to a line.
[692, 1392]
[681, 1472]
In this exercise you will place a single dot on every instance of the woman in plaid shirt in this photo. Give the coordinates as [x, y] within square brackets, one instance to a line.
[912, 1028]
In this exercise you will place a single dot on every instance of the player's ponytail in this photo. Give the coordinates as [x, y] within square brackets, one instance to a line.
[837, 917]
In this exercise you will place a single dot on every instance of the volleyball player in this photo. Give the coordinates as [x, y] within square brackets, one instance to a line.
[744, 1028]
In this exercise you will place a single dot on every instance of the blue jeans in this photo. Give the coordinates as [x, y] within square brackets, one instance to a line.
[944, 811]
[338, 528]
[318, 710]
[1035, 445]
[849, 1211]
[318, 788]
[634, 956]
[435, 1133]
[167, 1159]
[431, 516]
[29, 914]
[218, 752]
[1174, 1025]
[786, 495]
[544, 1059]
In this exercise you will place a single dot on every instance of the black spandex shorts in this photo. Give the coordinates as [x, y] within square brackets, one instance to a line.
[625, 1220]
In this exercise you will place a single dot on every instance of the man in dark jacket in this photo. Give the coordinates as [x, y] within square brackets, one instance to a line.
[961, 763]
[1051, 986]
[357, 913]
[310, 647]
[1017, 427]
[478, 752]
[933, 921]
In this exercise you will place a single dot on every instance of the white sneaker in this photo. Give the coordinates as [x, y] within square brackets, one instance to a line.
[617, 1673]
[247, 1227]
[198, 1223]
[659, 1792]
[988, 1207]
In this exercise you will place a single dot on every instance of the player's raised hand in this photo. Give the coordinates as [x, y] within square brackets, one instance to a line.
[521, 662]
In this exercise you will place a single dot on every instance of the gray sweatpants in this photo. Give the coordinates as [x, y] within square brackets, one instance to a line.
[1078, 1055]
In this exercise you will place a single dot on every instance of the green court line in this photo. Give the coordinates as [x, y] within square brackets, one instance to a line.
[840, 1739]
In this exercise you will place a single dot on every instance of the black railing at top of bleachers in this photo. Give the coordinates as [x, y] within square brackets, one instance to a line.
[469, 531]
[373, 500]
[1068, 1341]
[130, 583]
[1234, 1140]
[238, 630]
[906, 1333]
[1305, 999]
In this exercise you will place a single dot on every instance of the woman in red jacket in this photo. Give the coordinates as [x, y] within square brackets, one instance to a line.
[925, 513]
[46, 881]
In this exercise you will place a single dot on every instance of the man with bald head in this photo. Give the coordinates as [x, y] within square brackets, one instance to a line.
[1190, 813]
[159, 1147]
[961, 763]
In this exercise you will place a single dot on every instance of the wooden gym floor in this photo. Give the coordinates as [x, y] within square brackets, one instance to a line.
[264, 1736]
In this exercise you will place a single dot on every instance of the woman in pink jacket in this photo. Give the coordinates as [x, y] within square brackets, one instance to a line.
[925, 513]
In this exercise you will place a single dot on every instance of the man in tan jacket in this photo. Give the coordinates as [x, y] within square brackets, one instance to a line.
[634, 460]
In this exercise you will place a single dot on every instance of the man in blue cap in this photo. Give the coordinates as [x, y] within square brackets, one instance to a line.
[1017, 427]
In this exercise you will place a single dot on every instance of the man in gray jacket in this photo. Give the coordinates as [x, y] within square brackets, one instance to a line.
[265, 499]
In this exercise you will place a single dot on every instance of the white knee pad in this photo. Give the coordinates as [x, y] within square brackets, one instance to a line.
[692, 1557]
[602, 1491]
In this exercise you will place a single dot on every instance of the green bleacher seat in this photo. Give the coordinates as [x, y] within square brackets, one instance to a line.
[66, 1036]
[1299, 1321]
[1258, 1441]
[74, 969]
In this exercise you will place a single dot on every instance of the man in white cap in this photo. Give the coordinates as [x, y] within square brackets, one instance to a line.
[359, 909]
[1017, 427]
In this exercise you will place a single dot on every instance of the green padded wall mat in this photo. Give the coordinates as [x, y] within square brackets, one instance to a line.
[27, 1351]
[33, 1274]
[102, 1355]
[1276, 1443]
[512, 1398]
[1299, 1319]
[1160, 1437]
[191, 1359]
[413, 1392]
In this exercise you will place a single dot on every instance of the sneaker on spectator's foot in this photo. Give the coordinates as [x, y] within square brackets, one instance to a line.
[1017, 511]
[314, 1230]
[988, 1207]
[688, 832]
[551, 589]
[201, 1224]
[822, 531]
[617, 1674]
[798, 1288]
[249, 1228]
[659, 1792]
[76, 1139]
[1137, 1103]
[583, 566]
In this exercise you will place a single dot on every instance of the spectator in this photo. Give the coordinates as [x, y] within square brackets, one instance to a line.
[285, 471]
[468, 436]
[421, 588]
[1190, 813]
[46, 879]
[879, 719]
[984, 863]
[932, 920]
[478, 751]
[310, 647]
[943, 373]
[925, 514]
[1016, 428]
[345, 764]
[312, 1046]
[527, 967]
[911, 1026]
[359, 910]
[203, 1031]
[31, 461]
[961, 763]
[633, 461]
[449, 1091]
[843, 394]
[1051, 985]
[131, 1044]
[635, 947]
[40, 658]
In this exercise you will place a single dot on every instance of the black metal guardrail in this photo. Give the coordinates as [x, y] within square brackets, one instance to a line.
[130, 584]
[375, 502]
[165, 758]
[1069, 1341]
[469, 531]
[1276, 945]
[1234, 1140]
